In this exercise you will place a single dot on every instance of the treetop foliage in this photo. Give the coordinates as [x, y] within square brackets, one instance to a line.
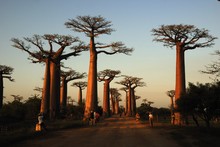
[44, 51]
[72, 75]
[91, 26]
[171, 93]
[132, 82]
[80, 84]
[107, 74]
[5, 71]
[95, 26]
[188, 36]
[114, 92]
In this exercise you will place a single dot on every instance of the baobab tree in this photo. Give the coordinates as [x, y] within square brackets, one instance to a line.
[127, 83]
[131, 83]
[125, 89]
[136, 82]
[51, 87]
[183, 37]
[93, 27]
[171, 94]
[81, 85]
[115, 98]
[65, 78]
[107, 76]
[5, 73]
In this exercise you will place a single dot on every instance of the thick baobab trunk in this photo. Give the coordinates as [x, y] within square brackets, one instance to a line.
[80, 97]
[113, 104]
[91, 95]
[116, 106]
[180, 79]
[1, 90]
[63, 95]
[129, 102]
[126, 102]
[54, 89]
[106, 102]
[133, 102]
[45, 101]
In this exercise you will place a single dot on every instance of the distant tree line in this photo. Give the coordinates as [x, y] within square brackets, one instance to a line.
[160, 114]
[18, 111]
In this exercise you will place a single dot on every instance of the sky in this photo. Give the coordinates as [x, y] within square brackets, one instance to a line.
[132, 21]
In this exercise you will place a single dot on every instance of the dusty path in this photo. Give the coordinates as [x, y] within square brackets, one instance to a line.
[112, 132]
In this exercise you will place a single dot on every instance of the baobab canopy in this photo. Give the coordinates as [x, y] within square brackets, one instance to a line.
[183, 37]
[190, 36]
[93, 26]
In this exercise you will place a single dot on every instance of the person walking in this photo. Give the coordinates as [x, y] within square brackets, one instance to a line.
[92, 118]
[151, 117]
[41, 122]
[137, 116]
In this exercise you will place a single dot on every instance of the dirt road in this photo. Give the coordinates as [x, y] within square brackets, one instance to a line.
[112, 132]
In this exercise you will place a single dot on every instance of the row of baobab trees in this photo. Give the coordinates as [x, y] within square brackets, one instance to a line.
[110, 95]
[53, 100]
[182, 37]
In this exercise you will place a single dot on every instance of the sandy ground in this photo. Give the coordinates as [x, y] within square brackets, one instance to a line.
[112, 132]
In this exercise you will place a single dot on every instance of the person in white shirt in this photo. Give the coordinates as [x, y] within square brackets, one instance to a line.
[151, 117]
[41, 121]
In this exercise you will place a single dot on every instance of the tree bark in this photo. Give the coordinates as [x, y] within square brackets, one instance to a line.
[133, 102]
[54, 89]
[80, 97]
[180, 79]
[46, 90]
[63, 95]
[106, 101]
[129, 102]
[113, 104]
[116, 106]
[126, 103]
[91, 95]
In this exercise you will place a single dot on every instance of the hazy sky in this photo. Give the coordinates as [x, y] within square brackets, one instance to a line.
[133, 22]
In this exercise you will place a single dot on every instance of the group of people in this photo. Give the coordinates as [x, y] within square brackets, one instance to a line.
[94, 117]
[150, 117]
